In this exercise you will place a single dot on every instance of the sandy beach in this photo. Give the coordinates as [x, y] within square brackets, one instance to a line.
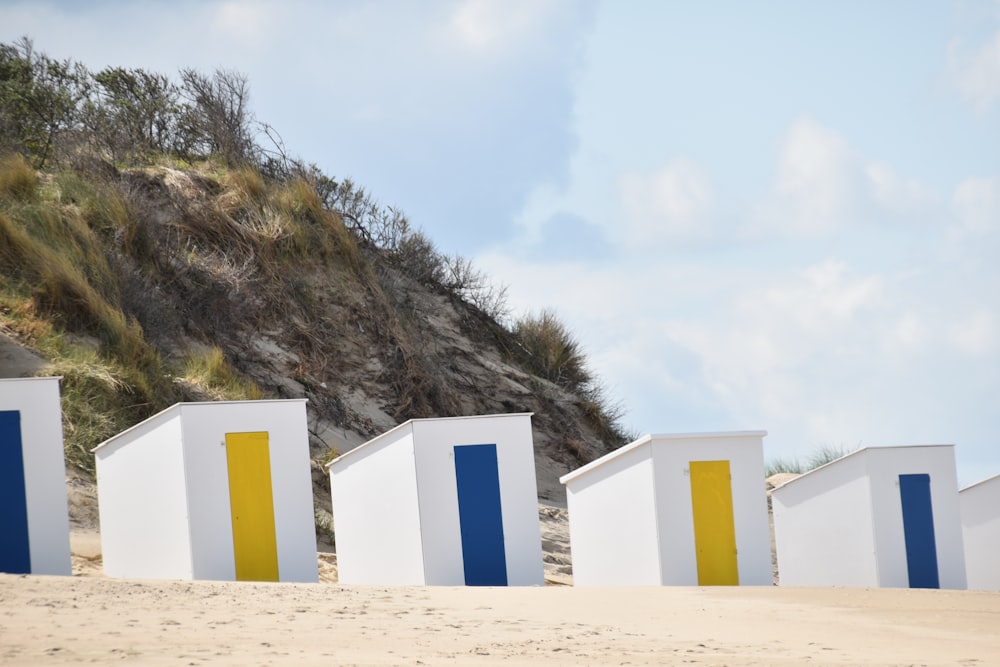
[92, 619]
[97, 620]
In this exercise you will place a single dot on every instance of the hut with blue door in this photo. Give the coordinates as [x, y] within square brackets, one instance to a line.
[34, 520]
[980, 505]
[447, 501]
[878, 517]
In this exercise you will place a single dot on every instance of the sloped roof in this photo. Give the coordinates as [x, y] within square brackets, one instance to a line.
[409, 424]
[625, 449]
[857, 452]
[168, 412]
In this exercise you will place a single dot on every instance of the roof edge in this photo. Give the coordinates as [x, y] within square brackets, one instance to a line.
[708, 434]
[610, 456]
[854, 453]
[411, 422]
[182, 404]
[624, 449]
[981, 482]
[33, 377]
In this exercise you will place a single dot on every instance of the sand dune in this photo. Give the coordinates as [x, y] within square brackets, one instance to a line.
[72, 620]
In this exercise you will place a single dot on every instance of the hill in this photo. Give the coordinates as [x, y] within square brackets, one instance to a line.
[151, 251]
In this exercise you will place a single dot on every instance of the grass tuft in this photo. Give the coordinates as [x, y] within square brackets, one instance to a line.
[821, 456]
[17, 179]
[780, 465]
[552, 352]
[245, 184]
[101, 395]
[826, 453]
[211, 372]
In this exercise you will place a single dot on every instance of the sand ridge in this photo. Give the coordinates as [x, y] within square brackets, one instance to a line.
[75, 620]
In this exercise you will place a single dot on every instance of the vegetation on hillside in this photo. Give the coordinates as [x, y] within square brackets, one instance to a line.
[154, 236]
[822, 455]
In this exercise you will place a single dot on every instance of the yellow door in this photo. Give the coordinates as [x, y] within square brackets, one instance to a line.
[714, 528]
[252, 505]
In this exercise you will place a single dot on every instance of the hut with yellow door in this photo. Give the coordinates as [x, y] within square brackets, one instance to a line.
[219, 490]
[681, 509]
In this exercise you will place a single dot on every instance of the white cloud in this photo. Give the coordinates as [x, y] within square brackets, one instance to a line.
[977, 74]
[824, 187]
[247, 22]
[780, 325]
[817, 176]
[905, 196]
[977, 204]
[905, 336]
[822, 353]
[977, 334]
[675, 201]
[488, 26]
[482, 24]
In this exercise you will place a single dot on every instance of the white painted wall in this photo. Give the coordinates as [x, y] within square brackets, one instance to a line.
[376, 513]
[37, 399]
[631, 518]
[174, 466]
[205, 426]
[672, 455]
[980, 506]
[885, 465]
[143, 502]
[395, 502]
[842, 524]
[823, 527]
[434, 442]
[613, 522]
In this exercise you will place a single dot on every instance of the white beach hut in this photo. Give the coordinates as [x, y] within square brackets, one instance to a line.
[880, 517]
[217, 490]
[685, 509]
[34, 522]
[980, 506]
[448, 501]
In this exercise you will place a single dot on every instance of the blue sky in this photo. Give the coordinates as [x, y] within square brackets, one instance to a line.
[776, 215]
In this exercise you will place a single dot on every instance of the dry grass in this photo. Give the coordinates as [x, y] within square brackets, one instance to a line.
[58, 281]
[100, 396]
[781, 465]
[282, 225]
[576, 448]
[17, 179]
[552, 352]
[210, 371]
[231, 254]
[822, 455]
[245, 184]
[62, 267]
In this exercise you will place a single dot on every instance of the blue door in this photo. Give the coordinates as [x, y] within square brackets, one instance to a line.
[479, 515]
[918, 530]
[15, 557]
